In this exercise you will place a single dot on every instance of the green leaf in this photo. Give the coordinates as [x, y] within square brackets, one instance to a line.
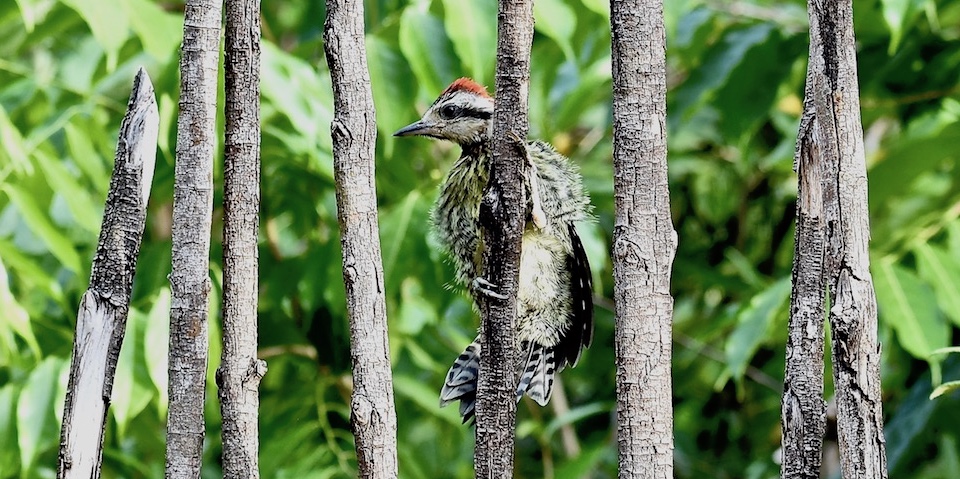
[86, 213]
[129, 397]
[427, 49]
[14, 316]
[156, 347]
[473, 29]
[743, 102]
[556, 20]
[898, 14]
[717, 192]
[945, 388]
[942, 271]
[292, 87]
[588, 461]
[910, 424]
[8, 428]
[721, 61]
[391, 82]
[394, 228]
[576, 414]
[36, 425]
[425, 397]
[159, 31]
[108, 23]
[28, 13]
[31, 274]
[415, 311]
[57, 243]
[953, 237]
[893, 176]
[908, 305]
[601, 7]
[753, 323]
[85, 156]
[14, 146]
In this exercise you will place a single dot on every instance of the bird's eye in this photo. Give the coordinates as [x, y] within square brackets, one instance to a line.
[449, 112]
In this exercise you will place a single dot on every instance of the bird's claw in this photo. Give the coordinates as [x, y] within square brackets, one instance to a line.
[486, 288]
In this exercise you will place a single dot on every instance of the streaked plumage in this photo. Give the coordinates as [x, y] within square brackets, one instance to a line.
[554, 298]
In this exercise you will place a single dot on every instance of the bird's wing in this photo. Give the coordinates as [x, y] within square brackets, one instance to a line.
[579, 334]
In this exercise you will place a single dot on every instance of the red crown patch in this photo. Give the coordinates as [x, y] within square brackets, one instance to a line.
[466, 84]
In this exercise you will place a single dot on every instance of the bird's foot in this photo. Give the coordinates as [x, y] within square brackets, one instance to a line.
[482, 286]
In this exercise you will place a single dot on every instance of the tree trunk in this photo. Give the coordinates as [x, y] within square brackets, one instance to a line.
[103, 309]
[832, 132]
[354, 135]
[644, 241]
[192, 208]
[238, 377]
[502, 217]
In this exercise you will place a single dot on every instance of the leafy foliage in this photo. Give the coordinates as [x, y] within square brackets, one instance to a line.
[735, 78]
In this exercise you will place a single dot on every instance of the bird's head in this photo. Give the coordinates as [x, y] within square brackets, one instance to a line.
[461, 114]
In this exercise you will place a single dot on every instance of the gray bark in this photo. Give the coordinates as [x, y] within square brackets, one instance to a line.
[239, 374]
[192, 209]
[803, 411]
[102, 317]
[833, 233]
[832, 121]
[502, 217]
[354, 133]
[644, 241]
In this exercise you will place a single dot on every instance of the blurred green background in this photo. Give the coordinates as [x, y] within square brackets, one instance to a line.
[735, 75]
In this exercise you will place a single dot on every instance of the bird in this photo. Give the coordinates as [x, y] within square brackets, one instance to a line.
[555, 289]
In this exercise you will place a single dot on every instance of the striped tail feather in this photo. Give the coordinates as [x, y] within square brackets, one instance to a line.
[537, 376]
[461, 381]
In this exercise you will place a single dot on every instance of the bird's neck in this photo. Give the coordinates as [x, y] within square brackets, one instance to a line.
[478, 151]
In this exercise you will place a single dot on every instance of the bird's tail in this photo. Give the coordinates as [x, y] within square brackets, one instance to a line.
[537, 372]
[537, 377]
[461, 382]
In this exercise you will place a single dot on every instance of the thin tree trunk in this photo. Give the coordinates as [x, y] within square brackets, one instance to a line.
[103, 309]
[354, 135]
[501, 214]
[192, 209]
[803, 411]
[644, 241]
[238, 377]
[833, 133]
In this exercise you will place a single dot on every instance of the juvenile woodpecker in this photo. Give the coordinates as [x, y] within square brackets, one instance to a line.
[554, 296]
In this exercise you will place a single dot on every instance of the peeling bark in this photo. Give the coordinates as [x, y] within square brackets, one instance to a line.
[644, 241]
[803, 411]
[830, 144]
[102, 318]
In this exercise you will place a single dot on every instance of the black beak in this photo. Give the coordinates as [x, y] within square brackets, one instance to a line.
[416, 128]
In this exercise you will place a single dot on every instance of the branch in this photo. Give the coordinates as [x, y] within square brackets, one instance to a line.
[102, 318]
[354, 140]
[803, 411]
[192, 209]
[644, 241]
[501, 213]
[239, 374]
[832, 133]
